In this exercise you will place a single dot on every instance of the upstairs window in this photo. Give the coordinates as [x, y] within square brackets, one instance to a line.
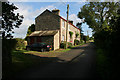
[63, 38]
[69, 27]
[63, 23]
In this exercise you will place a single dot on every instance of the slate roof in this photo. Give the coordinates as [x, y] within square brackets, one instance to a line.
[44, 33]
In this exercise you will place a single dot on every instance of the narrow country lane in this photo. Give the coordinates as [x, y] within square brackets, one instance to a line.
[79, 62]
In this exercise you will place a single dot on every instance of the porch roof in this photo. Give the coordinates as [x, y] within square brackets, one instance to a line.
[44, 33]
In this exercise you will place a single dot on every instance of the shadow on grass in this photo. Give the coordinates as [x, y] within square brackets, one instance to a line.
[32, 67]
[22, 62]
[29, 62]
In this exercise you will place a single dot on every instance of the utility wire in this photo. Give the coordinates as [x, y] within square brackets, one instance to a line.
[66, 5]
[63, 2]
[70, 10]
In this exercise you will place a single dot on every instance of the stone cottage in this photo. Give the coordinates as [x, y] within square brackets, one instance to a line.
[50, 28]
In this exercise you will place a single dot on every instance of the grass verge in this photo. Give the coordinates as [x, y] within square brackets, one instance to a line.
[23, 59]
[103, 65]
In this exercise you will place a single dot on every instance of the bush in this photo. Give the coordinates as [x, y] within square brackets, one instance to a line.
[76, 42]
[69, 45]
[7, 46]
[63, 44]
[20, 44]
[77, 34]
[87, 38]
[71, 33]
[82, 41]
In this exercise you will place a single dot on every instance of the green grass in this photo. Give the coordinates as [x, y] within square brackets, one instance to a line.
[65, 50]
[102, 64]
[44, 54]
[51, 53]
[23, 59]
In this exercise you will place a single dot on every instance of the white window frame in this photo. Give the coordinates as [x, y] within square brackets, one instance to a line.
[69, 38]
[63, 38]
[69, 27]
[63, 23]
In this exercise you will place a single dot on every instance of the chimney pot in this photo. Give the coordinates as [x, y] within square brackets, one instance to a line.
[56, 11]
[70, 21]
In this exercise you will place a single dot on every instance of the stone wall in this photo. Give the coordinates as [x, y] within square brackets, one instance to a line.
[50, 21]
[44, 39]
[47, 21]
[48, 39]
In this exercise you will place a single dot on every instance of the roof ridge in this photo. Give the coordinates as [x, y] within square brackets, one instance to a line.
[60, 17]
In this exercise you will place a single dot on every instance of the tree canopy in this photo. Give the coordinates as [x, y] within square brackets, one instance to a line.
[30, 30]
[98, 14]
[79, 26]
[104, 19]
[10, 20]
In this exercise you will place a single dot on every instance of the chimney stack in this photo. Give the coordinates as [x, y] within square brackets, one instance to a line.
[70, 21]
[56, 11]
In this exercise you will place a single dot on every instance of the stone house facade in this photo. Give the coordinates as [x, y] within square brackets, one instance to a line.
[50, 28]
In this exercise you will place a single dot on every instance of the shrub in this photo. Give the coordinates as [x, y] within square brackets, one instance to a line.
[77, 34]
[20, 44]
[71, 33]
[76, 42]
[7, 46]
[87, 38]
[69, 45]
[63, 44]
[82, 41]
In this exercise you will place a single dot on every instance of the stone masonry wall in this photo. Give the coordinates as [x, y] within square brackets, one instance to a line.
[47, 21]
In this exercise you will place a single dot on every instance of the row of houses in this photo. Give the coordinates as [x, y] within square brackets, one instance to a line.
[50, 28]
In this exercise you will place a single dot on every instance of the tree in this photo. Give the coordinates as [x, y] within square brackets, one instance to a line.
[10, 20]
[85, 38]
[114, 22]
[79, 26]
[30, 30]
[115, 34]
[104, 19]
[98, 14]
[115, 42]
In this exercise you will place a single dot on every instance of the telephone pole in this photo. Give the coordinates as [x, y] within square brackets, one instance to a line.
[67, 25]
